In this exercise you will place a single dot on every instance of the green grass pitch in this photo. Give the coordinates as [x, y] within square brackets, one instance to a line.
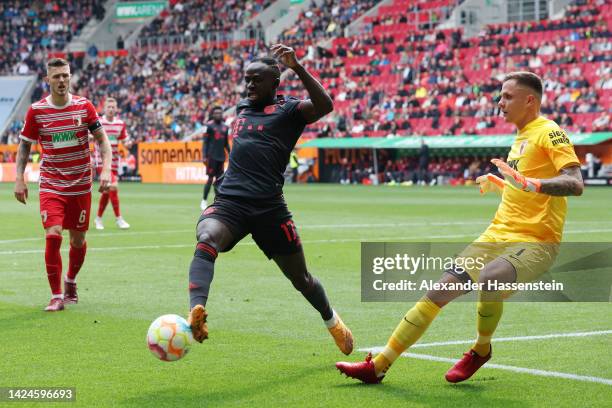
[267, 346]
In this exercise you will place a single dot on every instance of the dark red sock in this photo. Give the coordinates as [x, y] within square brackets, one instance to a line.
[103, 203]
[76, 257]
[53, 261]
[114, 199]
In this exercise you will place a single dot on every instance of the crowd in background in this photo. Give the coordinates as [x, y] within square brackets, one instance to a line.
[30, 29]
[407, 170]
[202, 18]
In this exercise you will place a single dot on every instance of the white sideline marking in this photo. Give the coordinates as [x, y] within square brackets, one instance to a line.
[532, 371]
[519, 338]
[499, 339]
[107, 234]
[323, 226]
[314, 241]
[315, 226]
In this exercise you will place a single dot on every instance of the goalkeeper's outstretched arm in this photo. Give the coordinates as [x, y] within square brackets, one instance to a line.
[568, 182]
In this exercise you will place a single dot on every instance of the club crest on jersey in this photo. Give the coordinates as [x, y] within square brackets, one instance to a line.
[270, 109]
[77, 120]
[523, 146]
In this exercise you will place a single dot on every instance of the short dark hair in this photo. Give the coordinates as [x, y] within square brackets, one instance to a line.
[214, 108]
[271, 62]
[57, 62]
[528, 79]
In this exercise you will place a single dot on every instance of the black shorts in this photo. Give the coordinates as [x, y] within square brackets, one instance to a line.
[268, 221]
[214, 168]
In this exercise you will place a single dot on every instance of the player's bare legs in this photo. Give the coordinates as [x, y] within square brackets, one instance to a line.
[76, 257]
[53, 263]
[407, 332]
[294, 268]
[490, 308]
[212, 236]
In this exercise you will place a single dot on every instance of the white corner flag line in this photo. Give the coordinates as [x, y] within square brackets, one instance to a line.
[532, 371]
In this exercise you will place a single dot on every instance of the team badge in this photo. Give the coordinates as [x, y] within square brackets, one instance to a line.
[77, 120]
[270, 109]
[523, 146]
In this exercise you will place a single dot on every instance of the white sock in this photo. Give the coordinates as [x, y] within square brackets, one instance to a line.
[333, 321]
[69, 280]
[60, 296]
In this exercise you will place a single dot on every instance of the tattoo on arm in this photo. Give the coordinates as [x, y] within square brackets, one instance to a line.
[568, 182]
[23, 154]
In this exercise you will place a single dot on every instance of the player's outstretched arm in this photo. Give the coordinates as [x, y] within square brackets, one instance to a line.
[105, 150]
[320, 103]
[21, 188]
[490, 183]
[568, 182]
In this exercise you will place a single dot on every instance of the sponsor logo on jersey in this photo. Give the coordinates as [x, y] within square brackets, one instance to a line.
[64, 139]
[513, 164]
[558, 137]
[270, 109]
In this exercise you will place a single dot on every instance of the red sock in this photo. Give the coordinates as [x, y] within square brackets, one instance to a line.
[53, 260]
[114, 199]
[76, 257]
[103, 203]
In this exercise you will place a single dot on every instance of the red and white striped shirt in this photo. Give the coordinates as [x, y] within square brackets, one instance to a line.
[62, 132]
[116, 132]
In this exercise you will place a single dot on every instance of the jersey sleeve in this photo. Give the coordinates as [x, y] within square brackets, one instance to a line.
[206, 141]
[292, 107]
[92, 119]
[29, 133]
[558, 147]
[124, 134]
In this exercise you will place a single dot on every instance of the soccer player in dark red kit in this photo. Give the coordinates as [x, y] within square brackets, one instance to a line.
[216, 142]
[116, 131]
[250, 197]
[61, 123]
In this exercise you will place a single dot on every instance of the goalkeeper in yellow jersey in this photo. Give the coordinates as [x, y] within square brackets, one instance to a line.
[519, 245]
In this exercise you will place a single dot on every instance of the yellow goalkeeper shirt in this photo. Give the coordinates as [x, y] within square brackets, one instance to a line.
[540, 150]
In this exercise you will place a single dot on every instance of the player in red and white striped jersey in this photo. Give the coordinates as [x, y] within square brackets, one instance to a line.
[61, 123]
[116, 131]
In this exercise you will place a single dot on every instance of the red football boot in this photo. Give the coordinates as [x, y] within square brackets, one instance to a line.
[55, 305]
[467, 366]
[70, 293]
[363, 371]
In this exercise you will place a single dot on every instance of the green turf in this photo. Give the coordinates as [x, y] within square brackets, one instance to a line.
[267, 346]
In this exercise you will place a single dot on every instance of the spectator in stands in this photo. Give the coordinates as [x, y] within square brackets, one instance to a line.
[602, 123]
[120, 43]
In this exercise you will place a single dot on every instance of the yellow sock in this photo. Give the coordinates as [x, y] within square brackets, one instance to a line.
[489, 314]
[407, 332]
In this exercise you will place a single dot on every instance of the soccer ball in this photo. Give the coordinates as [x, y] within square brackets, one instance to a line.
[169, 337]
